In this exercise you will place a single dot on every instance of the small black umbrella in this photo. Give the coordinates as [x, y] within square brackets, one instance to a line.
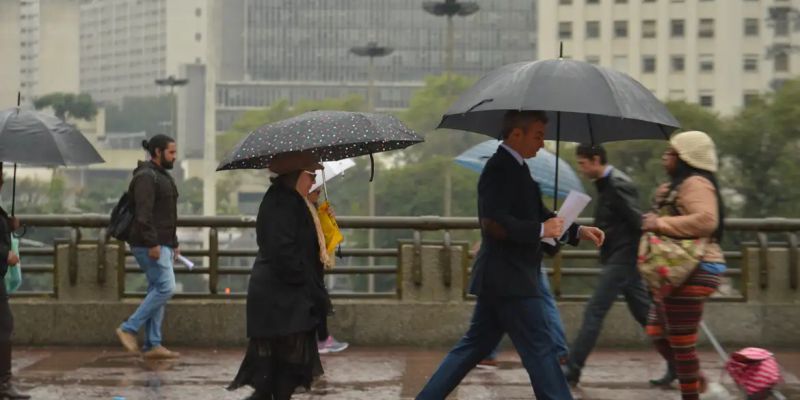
[330, 135]
[585, 103]
[30, 137]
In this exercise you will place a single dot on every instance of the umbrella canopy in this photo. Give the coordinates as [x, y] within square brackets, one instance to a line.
[30, 137]
[585, 103]
[330, 135]
[542, 167]
[330, 170]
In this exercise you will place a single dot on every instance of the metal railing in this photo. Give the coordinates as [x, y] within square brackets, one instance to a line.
[76, 224]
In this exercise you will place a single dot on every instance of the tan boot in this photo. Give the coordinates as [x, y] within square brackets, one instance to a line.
[161, 353]
[128, 341]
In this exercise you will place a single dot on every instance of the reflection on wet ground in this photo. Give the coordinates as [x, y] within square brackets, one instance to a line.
[358, 373]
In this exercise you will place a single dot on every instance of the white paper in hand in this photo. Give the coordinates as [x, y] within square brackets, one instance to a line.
[185, 261]
[573, 205]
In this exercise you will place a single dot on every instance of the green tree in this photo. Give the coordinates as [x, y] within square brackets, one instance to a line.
[280, 110]
[760, 154]
[137, 114]
[425, 111]
[70, 105]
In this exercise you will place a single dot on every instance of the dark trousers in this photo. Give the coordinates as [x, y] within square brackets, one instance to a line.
[526, 323]
[6, 327]
[615, 279]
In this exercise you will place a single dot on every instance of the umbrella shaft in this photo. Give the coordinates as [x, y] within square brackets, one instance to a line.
[14, 191]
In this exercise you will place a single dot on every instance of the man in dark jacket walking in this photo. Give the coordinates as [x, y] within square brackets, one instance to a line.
[506, 273]
[617, 214]
[154, 244]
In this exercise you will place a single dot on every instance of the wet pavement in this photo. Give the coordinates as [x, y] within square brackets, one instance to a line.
[358, 373]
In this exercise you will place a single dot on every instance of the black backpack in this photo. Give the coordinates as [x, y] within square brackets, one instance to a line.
[119, 227]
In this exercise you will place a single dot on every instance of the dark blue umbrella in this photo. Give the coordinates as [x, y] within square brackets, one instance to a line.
[542, 168]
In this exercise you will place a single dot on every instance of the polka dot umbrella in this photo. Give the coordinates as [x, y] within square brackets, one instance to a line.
[330, 135]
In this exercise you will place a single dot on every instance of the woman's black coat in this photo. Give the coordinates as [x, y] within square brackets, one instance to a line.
[286, 294]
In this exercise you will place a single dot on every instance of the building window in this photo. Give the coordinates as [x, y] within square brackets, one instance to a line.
[620, 29]
[751, 26]
[707, 100]
[781, 62]
[649, 29]
[592, 29]
[198, 36]
[750, 98]
[592, 1]
[565, 2]
[678, 63]
[706, 28]
[751, 63]
[706, 63]
[621, 1]
[782, 26]
[677, 28]
[594, 60]
[565, 30]
[677, 94]
[649, 1]
[648, 64]
[621, 63]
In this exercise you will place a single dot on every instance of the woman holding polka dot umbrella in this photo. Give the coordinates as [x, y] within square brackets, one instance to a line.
[287, 302]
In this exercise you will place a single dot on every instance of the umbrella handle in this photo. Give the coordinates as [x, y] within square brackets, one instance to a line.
[558, 150]
[371, 167]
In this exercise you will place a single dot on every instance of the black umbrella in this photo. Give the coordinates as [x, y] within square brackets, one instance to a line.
[585, 103]
[330, 135]
[30, 137]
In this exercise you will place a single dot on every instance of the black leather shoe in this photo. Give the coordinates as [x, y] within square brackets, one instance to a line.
[666, 380]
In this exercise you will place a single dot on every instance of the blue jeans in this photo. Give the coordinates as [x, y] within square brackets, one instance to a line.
[160, 287]
[528, 326]
[557, 328]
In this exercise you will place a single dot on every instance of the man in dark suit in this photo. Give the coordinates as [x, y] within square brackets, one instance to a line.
[507, 268]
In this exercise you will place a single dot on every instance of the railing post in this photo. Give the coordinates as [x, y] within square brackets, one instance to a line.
[213, 260]
[794, 259]
[763, 259]
[72, 266]
[101, 257]
[416, 263]
[447, 272]
[557, 264]
[121, 268]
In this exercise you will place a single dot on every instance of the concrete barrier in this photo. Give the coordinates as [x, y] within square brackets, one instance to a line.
[430, 313]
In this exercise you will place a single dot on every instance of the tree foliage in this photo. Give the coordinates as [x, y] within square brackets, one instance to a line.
[137, 114]
[70, 105]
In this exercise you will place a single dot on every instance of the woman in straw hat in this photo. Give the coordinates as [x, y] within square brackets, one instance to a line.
[694, 210]
[286, 299]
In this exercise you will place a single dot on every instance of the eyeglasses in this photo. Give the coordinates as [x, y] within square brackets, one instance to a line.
[670, 153]
[313, 174]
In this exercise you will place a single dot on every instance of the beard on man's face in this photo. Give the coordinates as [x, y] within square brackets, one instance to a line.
[167, 164]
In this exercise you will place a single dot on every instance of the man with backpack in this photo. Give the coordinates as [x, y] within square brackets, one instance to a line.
[152, 237]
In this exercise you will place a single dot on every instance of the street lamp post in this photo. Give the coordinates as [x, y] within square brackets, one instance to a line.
[171, 81]
[449, 9]
[371, 50]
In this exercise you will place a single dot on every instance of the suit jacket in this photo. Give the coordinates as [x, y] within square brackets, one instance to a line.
[618, 215]
[511, 215]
